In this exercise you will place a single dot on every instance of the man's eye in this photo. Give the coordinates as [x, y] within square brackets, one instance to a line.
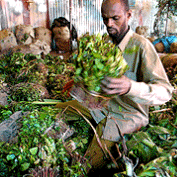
[116, 18]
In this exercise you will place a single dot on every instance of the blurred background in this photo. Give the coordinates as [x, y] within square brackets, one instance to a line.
[85, 15]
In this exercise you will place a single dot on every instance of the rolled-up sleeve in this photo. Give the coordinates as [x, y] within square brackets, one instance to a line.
[150, 94]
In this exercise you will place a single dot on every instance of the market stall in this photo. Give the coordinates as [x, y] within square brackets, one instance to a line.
[50, 47]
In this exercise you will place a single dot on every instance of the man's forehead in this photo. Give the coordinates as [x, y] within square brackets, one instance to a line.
[112, 4]
[112, 9]
[111, 1]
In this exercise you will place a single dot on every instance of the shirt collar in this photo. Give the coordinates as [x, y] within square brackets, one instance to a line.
[125, 40]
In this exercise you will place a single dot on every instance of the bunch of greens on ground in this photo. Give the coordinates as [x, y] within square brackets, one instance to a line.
[19, 67]
[60, 74]
[48, 71]
[97, 57]
[34, 148]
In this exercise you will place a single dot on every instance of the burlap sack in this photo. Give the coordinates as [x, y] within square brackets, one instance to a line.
[169, 60]
[36, 47]
[3, 98]
[151, 39]
[61, 37]
[164, 44]
[60, 129]
[7, 40]
[43, 34]
[173, 47]
[142, 30]
[24, 34]
[160, 47]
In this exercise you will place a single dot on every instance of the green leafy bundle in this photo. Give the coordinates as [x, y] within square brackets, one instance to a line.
[97, 57]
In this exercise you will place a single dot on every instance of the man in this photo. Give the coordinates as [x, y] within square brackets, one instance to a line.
[144, 84]
[62, 35]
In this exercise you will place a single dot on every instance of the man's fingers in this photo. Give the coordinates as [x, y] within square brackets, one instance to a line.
[118, 86]
[113, 91]
[109, 91]
[109, 84]
[112, 82]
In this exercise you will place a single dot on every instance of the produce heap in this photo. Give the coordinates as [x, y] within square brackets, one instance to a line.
[37, 147]
[37, 150]
[27, 74]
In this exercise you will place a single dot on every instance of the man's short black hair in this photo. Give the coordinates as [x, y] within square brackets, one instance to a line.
[125, 3]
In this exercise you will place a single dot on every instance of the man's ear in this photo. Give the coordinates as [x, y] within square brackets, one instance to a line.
[129, 14]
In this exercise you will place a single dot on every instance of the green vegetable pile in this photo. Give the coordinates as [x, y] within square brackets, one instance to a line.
[26, 73]
[33, 148]
[37, 149]
[97, 57]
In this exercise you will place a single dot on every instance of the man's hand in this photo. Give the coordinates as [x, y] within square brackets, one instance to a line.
[118, 86]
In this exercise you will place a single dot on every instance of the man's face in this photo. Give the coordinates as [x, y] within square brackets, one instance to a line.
[115, 17]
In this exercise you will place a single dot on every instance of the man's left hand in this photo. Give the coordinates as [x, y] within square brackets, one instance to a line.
[118, 86]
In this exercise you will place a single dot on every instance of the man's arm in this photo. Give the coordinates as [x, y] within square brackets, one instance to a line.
[154, 89]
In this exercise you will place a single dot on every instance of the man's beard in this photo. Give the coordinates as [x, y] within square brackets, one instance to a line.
[116, 33]
[116, 36]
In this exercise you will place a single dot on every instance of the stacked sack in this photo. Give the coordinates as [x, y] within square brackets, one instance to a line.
[7, 40]
[26, 39]
[63, 37]
[167, 44]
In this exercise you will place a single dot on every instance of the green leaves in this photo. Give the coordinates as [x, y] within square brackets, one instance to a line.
[148, 172]
[32, 147]
[99, 64]
[10, 157]
[50, 72]
[34, 150]
[97, 57]
[78, 71]
[25, 166]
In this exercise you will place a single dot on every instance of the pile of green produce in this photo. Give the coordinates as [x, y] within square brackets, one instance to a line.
[34, 151]
[37, 148]
[28, 73]
[97, 57]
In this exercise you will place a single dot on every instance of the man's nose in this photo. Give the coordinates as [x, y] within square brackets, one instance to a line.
[110, 22]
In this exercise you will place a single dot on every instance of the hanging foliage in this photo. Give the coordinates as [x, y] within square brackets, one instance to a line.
[166, 9]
